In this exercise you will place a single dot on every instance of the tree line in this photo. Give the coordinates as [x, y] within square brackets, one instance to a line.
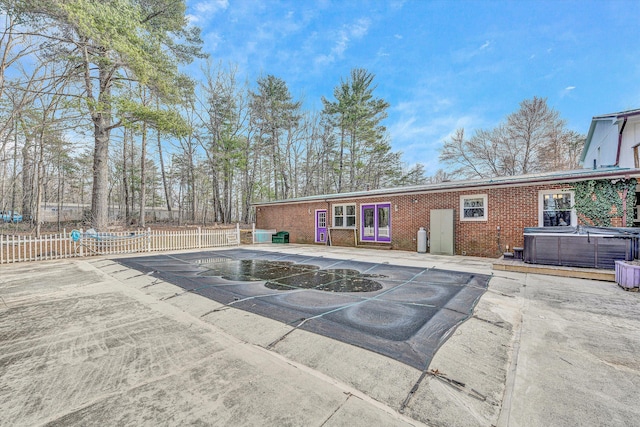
[95, 110]
[109, 72]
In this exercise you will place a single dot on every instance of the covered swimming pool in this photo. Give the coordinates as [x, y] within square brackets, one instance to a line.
[405, 313]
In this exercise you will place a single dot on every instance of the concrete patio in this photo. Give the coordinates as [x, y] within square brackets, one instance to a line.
[88, 342]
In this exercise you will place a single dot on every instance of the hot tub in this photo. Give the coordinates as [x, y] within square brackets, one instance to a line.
[596, 247]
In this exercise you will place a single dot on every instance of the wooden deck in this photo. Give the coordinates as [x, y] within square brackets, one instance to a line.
[554, 270]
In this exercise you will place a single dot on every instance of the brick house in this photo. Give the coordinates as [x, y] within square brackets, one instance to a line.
[476, 218]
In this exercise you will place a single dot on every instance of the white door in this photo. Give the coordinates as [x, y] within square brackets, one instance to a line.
[441, 231]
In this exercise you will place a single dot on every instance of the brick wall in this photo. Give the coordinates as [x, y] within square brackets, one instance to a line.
[298, 219]
[510, 208]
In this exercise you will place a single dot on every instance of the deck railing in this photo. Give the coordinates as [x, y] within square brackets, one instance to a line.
[80, 243]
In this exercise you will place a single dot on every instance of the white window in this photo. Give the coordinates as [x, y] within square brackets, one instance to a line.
[555, 209]
[322, 219]
[473, 207]
[344, 216]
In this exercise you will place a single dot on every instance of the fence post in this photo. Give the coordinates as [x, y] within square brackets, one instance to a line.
[238, 232]
[148, 239]
[1, 250]
[80, 242]
[199, 238]
[253, 233]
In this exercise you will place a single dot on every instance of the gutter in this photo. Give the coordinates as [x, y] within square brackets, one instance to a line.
[328, 242]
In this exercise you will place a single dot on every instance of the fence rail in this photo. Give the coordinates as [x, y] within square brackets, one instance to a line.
[79, 243]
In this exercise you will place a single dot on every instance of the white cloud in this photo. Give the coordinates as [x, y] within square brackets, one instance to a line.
[428, 104]
[466, 54]
[211, 6]
[420, 137]
[341, 44]
[348, 33]
[211, 41]
[397, 4]
[360, 28]
[566, 91]
[419, 126]
[205, 9]
[415, 131]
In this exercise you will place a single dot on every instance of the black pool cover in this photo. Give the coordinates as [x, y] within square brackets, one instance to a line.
[401, 312]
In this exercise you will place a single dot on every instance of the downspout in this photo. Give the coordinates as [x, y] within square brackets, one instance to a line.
[624, 123]
[328, 242]
[624, 207]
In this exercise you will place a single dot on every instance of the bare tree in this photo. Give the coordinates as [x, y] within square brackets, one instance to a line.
[528, 130]
[458, 153]
[533, 139]
[224, 119]
[439, 176]
[563, 150]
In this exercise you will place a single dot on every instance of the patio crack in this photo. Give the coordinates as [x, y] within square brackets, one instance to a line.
[349, 395]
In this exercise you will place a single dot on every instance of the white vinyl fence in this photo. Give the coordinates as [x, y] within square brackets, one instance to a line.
[81, 243]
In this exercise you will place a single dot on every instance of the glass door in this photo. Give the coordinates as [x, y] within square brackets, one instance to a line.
[368, 223]
[376, 222]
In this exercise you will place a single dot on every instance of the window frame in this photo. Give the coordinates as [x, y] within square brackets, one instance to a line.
[573, 214]
[344, 215]
[485, 207]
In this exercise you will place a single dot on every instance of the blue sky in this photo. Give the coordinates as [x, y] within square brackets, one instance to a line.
[440, 64]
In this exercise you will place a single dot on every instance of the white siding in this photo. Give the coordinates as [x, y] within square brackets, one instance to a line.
[630, 138]
[604, 145]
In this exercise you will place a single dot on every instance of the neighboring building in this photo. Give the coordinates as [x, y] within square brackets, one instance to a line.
[613, 140]
[479, 217]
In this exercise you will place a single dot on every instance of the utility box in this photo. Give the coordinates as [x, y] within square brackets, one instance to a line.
[280, 237]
